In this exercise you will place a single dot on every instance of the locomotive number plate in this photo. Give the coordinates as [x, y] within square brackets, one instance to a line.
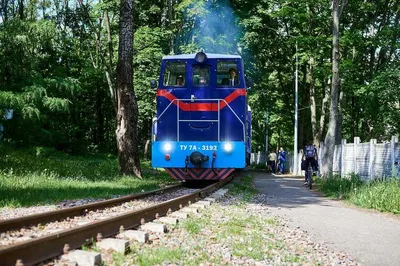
[198, 147]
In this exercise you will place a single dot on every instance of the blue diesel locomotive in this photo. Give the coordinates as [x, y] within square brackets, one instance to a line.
[203, 126]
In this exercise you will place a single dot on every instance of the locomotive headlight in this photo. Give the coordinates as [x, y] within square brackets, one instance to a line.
[201, 57]
[228, 147]
[167, 147]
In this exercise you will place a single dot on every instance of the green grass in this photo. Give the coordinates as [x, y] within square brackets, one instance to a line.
[159, 255]
[43, 176]
[378, 195]
[382, 195]
[118, 258]
[249, 248]
[144, 255]
[243, 233]
[244, 188]
[193, 226]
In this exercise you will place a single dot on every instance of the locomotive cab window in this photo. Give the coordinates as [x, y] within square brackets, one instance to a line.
[175, 74]
[201, 76]
[227, 74]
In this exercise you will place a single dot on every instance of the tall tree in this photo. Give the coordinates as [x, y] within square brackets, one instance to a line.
[127, 114]
[334, 116]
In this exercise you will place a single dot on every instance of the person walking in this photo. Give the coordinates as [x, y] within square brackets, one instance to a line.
[272, 161]
[282, 160]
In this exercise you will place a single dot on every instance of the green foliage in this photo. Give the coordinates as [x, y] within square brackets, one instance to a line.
[382, 93]
[369, 65]
[148, 54]
[33, 86]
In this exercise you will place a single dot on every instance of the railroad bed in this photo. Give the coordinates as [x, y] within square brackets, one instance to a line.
[37, 238]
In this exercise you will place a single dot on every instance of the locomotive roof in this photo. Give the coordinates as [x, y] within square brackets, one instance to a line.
[209, 56]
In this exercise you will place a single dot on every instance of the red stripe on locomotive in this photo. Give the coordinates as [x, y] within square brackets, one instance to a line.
[202, 106]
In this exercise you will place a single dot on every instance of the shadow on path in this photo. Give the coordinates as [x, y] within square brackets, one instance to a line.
[287, 191]
[371, 237]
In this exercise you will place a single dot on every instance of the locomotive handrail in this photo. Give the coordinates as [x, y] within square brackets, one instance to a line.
[193, 100]
[243, 126]
[164, 110]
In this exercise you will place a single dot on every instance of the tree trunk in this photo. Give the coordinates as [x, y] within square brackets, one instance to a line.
[305, 126]
[171, 26]
[327, 154]
[99, 130]
[323, 111]
[21, 9]
[127, 115]
[4, 7]
[313, 105]
[338, 135]
[109, 69]
[146, 149]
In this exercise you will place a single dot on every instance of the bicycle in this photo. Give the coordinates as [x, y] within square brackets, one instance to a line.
[308, 174]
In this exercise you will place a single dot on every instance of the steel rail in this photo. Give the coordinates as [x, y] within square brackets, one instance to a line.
[50, 246]
[46, 217]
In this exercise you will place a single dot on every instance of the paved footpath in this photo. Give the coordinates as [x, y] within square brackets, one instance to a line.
[371, 237]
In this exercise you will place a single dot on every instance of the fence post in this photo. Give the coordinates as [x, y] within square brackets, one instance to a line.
[299, 158]
[371, 164]
[356, 141]
[342, 155]
[393, 142]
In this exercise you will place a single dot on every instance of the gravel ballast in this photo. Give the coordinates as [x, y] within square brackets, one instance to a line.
[24, 234]
[234, 232]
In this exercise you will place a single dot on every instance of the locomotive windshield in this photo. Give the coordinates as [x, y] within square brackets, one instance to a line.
[227, 73]
[201, 76]
[175, 74]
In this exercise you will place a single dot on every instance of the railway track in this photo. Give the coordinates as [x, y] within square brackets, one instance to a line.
[47, 217]
[50, 246]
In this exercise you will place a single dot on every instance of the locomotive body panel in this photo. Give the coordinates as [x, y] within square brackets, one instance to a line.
[202, 119]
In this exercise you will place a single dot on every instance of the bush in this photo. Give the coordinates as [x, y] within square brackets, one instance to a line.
[339, 186]
[44, 151]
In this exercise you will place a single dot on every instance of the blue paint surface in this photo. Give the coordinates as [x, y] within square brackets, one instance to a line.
[179, 151]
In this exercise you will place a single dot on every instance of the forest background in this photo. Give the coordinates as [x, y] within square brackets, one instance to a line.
[58, 66]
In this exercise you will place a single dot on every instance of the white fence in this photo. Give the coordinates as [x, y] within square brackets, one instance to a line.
[369, 160]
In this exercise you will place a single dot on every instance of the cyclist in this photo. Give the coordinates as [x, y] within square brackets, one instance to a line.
[309, 156]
